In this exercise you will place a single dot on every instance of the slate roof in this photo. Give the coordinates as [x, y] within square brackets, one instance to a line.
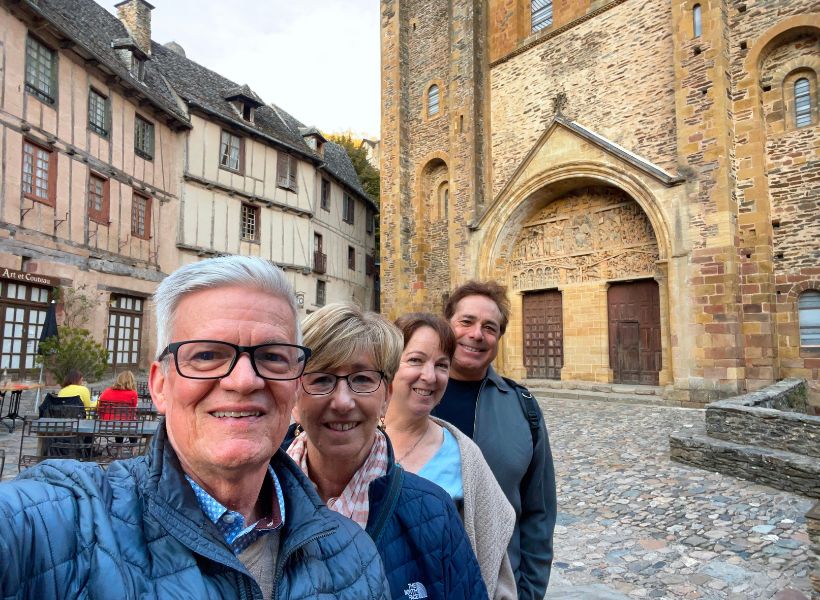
[338, 163]
[93, 28]
[170, 76]
[206, 90]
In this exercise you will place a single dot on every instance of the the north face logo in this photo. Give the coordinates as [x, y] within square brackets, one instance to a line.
[415, 591]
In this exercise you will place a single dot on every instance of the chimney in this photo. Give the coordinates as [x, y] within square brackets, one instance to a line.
[136, 16]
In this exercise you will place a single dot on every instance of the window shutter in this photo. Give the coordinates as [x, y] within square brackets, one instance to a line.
[282, 170]
[293, 183]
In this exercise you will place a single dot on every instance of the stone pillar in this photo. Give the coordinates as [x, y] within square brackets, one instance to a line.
[662, 277]
[510, 361]
[586, 335]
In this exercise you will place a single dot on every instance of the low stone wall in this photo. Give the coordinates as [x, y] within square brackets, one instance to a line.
[813, 528]
[774, 417]
[780, 469]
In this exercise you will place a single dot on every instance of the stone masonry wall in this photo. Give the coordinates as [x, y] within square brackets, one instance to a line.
[617, 74]
[813, 529]
[767, 418]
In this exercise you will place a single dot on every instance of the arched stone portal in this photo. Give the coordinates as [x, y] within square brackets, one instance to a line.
[564, 261]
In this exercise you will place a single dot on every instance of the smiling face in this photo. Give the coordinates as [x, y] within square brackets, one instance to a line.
[341, 426]
[476, 323]
[224, 427]
[423, 373]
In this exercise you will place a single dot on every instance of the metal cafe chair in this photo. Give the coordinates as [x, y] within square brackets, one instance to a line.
[114, 411]
[114, 440]
[51, 438]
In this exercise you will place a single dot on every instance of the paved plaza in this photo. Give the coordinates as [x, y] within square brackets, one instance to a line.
[632, 524]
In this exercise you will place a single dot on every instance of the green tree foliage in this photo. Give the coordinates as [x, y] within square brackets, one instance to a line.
[368, 174]
[74, 348]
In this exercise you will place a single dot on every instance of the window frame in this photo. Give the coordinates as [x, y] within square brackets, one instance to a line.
[351, 258]
[255, 212]
[325, 194]
[32, 88]
[538, 21]
[433, 105]
[801, 299]
[808, 114]
[697, 21]
[101, 216]
[148, 203]
[100, 130]
[348, 209]
[50, 198]
[240, 167]
[287, 172]
[144, 145]
[321, 292]
[370, 221]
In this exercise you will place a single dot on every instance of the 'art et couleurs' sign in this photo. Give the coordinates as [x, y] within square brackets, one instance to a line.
[27, 277]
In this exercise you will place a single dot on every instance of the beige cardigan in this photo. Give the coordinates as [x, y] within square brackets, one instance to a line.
[488, 517]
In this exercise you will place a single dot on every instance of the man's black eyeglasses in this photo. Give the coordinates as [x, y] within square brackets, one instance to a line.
[210, 359]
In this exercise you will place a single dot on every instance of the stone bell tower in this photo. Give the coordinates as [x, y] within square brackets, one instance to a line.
[433, 174]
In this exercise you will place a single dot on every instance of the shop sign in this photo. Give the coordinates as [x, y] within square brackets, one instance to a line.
[32, 278]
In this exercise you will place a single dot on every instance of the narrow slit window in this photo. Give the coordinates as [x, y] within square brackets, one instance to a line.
[802, 102]
[697, 24]
[432, 100]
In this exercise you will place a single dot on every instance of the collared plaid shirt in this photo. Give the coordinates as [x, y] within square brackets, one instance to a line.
[354, 501]
[231, 524]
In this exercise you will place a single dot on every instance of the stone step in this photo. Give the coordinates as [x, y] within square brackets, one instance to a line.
[777, 468]
[545, 394]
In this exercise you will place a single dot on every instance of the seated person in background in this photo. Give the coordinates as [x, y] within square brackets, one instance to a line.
[344, 396]
[73, 386]
[438, 451]
[122, 394]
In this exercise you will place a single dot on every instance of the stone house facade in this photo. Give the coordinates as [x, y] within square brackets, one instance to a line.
[641, 175]
[122, 159]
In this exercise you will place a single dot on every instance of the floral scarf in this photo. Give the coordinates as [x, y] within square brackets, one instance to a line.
[353, 502]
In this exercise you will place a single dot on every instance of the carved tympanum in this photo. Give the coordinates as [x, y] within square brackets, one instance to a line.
[588, 235]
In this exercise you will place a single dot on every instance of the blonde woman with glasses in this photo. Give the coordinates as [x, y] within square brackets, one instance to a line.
[343, 398]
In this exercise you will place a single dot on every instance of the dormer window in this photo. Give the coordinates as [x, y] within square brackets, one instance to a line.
[314, 139]
[137, 67]
[244, 101]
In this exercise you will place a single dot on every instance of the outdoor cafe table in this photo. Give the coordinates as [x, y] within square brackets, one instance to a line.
[86, 426]
[16, 389]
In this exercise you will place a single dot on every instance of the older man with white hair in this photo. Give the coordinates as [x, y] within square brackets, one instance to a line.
[214, 510]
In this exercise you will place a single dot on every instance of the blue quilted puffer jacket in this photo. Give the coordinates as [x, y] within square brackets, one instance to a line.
[421, 540]
[71, 530]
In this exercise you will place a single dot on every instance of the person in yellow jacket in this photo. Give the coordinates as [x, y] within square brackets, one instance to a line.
[73, 386]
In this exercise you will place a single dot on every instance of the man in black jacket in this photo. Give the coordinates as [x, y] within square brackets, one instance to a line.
[506, 423]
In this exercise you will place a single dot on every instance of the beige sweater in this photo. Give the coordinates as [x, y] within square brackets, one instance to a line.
[488, 517]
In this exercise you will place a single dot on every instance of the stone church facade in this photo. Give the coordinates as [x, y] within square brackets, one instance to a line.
[643, 176]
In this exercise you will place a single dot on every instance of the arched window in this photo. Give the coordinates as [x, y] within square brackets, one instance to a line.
[432, 101]
[802, 102]
[808, 308]
[697, 27]
[541, 14]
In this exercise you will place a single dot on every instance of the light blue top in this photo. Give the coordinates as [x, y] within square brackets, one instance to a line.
[444, 468]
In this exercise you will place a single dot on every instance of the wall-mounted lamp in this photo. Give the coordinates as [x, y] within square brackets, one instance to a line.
[300, 299]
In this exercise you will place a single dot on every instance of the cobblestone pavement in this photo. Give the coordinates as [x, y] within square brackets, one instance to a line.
[633, 524]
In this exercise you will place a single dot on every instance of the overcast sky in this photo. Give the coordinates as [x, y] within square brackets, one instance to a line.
[319, 60]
